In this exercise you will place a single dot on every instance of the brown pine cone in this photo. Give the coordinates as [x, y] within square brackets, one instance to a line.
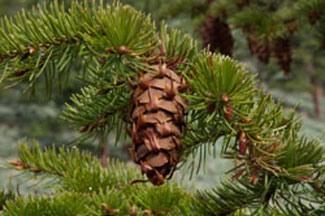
[217, 34]
[259, 48]
[157, 118]
[282, 51]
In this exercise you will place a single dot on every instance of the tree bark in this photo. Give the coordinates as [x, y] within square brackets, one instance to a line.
[317, 91]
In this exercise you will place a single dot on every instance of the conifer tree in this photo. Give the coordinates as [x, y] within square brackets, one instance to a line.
[174, 100]
[272, 30]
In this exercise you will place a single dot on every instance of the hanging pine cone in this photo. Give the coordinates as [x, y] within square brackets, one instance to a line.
[282, 51]
[259, 48]
[322, 45]
[292, 28]
[209, 2]
[217, 34]
[314, 16]
[242, 3]
[157, 118]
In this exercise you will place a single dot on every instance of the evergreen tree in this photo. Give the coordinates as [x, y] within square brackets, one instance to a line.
[174, 100]
[273, 30]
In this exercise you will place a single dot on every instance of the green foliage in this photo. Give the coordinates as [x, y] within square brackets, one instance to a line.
[270, 196]
[211, 78]
[63, 204]
[302, 158]
[114, 45]
[5, 196]
[280, 19]
[65, 165]
[263, 23]
[166, 201]
[253, 18]
[113, 201]
[216, 75]
[227, 198]
[84, 187]
[93, 112]
[49, 40]
[305, 7]
[221, 84]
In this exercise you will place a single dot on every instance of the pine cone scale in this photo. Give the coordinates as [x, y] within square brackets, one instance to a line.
[157, 160]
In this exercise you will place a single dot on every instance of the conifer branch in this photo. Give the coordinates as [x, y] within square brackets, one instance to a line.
[65, 165]
[85, 188]
[5, 196]
[49, 40]
[95, 111]
[64, 204]
[117, 46]
[266, 197]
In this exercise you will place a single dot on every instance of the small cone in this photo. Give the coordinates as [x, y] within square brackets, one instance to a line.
[315, 15]
[259, 48]
[242, 3]
[282, 51]
[217, 34]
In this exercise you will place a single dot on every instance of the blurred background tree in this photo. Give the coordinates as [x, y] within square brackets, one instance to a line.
[280, 34]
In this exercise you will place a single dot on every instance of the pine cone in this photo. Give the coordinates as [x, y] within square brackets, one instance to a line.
[217, 34]
[314, 16]
[242, 3]
[259, 48]
[209, 1]
[157, 118]
[282, 51]
[323, 44]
